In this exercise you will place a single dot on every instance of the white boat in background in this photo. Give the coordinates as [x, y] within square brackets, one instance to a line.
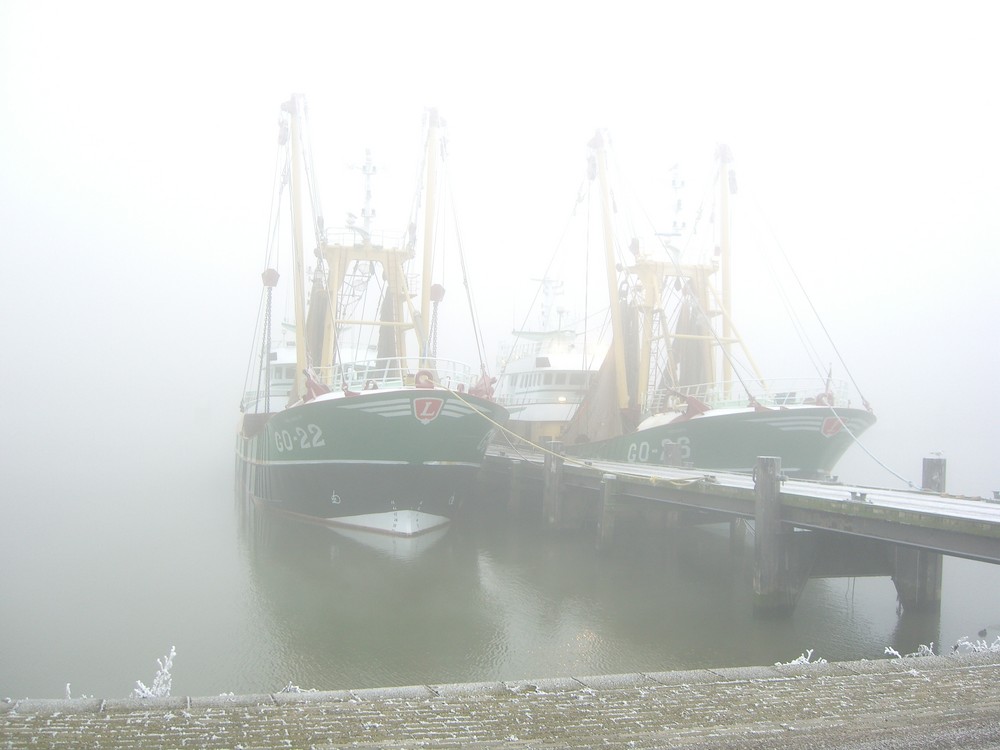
[544, 374]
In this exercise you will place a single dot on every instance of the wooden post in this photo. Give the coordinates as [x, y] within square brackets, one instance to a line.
[552, 494]
[609, 499]
[772, 581]
[917, 576]
[935, 474]
[672, 454]
[917, 573]
[514, 501]
[737, 535]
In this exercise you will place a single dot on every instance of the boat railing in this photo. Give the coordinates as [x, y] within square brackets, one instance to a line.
[771, 393]
[540, 396]
[397, 372]
[258, 402]
[356, 238]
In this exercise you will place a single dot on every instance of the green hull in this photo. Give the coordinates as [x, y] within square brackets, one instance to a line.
[809, 440]
[376, 452]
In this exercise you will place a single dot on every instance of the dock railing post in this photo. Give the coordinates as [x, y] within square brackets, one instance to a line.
[552, 493]
[917, 573]
[672, 454]
[935, 474]
[772, 581]
[609, 499]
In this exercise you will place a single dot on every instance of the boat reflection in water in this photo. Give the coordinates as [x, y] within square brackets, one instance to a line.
[490, 599]
[405, 549]
[357, 609]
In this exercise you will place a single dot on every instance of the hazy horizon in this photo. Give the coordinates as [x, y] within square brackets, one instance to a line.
[138, 148]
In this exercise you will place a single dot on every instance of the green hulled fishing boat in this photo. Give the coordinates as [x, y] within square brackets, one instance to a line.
[350, 417]
[678, 386]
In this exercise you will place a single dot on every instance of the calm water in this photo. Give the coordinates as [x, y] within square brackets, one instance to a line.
[99, 583]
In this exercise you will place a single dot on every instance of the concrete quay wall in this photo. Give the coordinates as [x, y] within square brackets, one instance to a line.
[949, 701]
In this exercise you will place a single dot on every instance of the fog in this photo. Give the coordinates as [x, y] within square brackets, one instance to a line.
[137, 148]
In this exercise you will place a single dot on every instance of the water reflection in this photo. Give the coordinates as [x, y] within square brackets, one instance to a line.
[353, 613]
[490, 599]
[253, 605]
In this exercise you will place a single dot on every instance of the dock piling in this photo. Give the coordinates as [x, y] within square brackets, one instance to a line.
[552, 493]
[672, 454]
[514, 499]
[935, 471]
[917, 573]
[609, 499]
[737, 535]
[772, 579]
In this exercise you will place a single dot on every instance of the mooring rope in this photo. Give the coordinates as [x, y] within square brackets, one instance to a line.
[569, 459]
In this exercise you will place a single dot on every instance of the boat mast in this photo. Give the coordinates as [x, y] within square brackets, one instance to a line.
[725, 174]
[294, 107]
[617, 328]
[431, 156]
[650, 274]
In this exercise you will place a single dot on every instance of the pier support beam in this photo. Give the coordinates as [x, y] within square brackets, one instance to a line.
[514, 500]
[609, 501]
[737, 535]
[552, 493]
[773, 582]
[917, 573]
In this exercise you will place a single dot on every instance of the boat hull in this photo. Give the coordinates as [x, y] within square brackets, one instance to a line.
[398, 461]
[809, 440]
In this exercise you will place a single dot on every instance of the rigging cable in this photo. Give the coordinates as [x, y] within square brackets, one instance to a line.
[793, 315]
[545, 275]
[270, 244]
[813, 308]
[480, 345]
[857, 440]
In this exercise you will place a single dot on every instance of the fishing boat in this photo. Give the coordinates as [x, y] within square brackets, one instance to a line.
[351, 418]
[544, 372]
[679, 386]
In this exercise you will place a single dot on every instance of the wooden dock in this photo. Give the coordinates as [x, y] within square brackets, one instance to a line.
[900, 533]
[934, 701]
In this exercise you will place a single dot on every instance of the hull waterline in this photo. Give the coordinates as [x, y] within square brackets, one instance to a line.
[398, 462]
[809, 440]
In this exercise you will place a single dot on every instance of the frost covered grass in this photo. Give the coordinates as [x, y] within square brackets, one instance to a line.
[161, 680]
[806, 658]
[922, 650]
[69, 694]
[976, 647]
[962, 646]
[290, 688]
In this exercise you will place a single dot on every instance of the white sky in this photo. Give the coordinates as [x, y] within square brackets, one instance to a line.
[137, 143]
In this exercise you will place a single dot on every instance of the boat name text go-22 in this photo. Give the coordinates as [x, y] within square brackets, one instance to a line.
[310, 436]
